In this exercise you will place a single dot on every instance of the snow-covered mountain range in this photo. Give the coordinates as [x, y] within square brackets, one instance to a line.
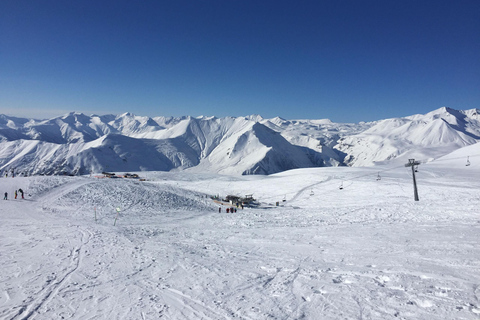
[79, 144]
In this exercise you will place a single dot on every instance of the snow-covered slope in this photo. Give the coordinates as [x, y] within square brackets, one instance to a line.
[87, 248]
[256, 149]
[78, 144]
[420, 136]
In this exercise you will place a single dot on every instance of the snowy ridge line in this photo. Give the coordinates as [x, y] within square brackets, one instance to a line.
[76, 144]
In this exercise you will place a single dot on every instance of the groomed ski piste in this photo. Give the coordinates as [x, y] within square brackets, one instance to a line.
[88, 248]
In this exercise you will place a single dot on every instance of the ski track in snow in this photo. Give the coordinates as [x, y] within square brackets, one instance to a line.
[52, 287]
[365, 252]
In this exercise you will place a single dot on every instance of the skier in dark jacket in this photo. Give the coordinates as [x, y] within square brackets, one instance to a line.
[6, 196]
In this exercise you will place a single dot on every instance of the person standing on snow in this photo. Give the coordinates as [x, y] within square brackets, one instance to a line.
[6, 196]
[15, 194]
[21, 192]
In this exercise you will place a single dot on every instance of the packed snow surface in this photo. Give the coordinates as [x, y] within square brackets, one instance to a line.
[89, 248]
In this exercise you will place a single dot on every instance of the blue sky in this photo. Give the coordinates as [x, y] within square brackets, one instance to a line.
[348, 61]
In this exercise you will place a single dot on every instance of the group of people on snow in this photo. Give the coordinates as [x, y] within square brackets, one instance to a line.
[229, 210]
[16, 194]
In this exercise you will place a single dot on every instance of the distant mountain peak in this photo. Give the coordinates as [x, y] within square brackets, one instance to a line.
[252, 144]
[435, 133]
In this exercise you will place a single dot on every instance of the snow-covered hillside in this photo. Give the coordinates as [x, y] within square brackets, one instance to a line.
[431, 135]
[79, 144]
[88, 248]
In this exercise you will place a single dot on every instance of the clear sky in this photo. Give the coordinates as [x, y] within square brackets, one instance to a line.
[346, 60]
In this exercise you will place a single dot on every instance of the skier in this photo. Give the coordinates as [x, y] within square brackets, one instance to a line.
[219, 209]
[6, 196]
[15, 194]
[21, 192]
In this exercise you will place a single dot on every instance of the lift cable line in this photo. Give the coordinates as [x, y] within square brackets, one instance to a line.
[328, 182]
[449, 159]
[354, 178]
[412, 163]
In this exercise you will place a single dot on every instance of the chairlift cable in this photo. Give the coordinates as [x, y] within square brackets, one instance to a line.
[423, 161]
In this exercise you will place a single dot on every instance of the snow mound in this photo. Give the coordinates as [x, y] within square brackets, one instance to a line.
[80, 197]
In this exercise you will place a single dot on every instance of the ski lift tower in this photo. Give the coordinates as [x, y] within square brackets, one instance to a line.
[412, 163]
